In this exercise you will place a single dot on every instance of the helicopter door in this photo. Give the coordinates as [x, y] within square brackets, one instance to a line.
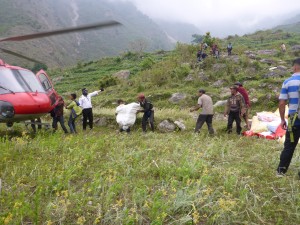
[48, 86]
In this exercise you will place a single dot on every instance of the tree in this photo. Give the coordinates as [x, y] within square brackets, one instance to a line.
[208, 39]
[39, 66]
[138, 45]
[197, 38]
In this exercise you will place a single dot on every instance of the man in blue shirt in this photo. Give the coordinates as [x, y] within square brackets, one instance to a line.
[290, 93]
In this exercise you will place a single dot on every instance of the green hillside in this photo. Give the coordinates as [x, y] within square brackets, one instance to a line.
[32, 16]
[103, 177]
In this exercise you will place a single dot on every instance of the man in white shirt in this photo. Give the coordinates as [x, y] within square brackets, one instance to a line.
[85, 102]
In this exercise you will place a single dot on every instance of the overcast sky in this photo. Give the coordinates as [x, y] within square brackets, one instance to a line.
[222, 17]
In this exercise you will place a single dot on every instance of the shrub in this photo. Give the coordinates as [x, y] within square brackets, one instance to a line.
[108, 81]
[147, 63]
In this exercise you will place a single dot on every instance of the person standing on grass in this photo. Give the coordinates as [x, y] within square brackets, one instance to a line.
[57, 115]
[206, 116]
[290, 93]
[75, 111]
[235, 109]
[245, 95]
[85, 102]
[229, 48]
[283, 48]
[148, 112]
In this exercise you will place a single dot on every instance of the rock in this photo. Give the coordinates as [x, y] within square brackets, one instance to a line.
[267, 61]
[218, 83]
[254, 100]
[225, 92]
[252, 56]
[275, 73]
[267, 52]
[189, 77]
[296, 48]
[177, 97]
[235, 58]
[101, 121]
[123, 74]
[248, 52]
[166, 126]
[282, 68]
[252, 90]
[180, 125]
[220, 103]
[218, 66]
[202, 76]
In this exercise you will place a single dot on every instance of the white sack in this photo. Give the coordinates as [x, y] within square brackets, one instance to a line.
[126, 114]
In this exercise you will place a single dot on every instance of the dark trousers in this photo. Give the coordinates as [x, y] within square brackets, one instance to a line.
[128, 130]
[38, 120]
[288, 150]
[148, 116]
[59, 119]
[87, 115]
[234, 116]
[71, 124]
[204, 119]
[229, 51]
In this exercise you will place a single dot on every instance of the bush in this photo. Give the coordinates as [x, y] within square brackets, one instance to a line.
[108, 81]
[147, 63]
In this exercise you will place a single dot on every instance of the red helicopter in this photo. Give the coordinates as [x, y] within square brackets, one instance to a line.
[25, 95]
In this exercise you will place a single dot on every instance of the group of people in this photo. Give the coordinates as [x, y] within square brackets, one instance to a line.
[84, 107]
[237, 107]
[215, 51]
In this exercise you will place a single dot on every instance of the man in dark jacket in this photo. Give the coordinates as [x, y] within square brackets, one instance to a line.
[58, 115]
[235, 109]
[148, 112]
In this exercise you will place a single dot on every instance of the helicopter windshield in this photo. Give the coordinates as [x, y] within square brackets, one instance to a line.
[14, 81]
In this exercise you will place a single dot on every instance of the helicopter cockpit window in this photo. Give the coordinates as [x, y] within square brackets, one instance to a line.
[15, 81]
[45, 82]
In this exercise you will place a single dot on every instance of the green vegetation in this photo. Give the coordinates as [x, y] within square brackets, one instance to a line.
[101, 177]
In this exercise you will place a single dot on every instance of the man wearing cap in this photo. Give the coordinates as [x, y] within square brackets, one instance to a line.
[206, 116]
[148, 112]
[245, 95]
[235, 109]
[85, 102]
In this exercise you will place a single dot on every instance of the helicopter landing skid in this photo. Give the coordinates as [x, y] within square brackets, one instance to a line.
[39, 124]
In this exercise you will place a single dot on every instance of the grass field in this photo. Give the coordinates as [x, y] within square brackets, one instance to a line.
[102, 177]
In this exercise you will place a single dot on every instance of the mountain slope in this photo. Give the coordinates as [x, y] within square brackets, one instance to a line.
[181, 32]
[30, 16]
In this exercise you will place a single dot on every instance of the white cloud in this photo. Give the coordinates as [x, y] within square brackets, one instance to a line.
[222, 17]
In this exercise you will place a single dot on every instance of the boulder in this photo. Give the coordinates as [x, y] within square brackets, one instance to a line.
[177, 97]
[220, 103]
[123, 74]
[282, 68]
[225, 92]
[189, 77]
[218, 83]
[202, 76]
[101, 121]
[166, 126]
[219, 66]
[267, 61]
[274, 73]
[296, 48]
[235, 58]
[252, 56]
[267, 52]
[254, 100]
[180, 125]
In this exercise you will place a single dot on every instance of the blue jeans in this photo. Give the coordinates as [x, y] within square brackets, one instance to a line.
[71, 124]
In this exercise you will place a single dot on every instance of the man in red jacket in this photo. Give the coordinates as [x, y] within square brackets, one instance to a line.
[245, 95]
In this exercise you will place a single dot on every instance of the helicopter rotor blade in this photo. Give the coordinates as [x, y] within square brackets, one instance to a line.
[19, 55]
[62, 31]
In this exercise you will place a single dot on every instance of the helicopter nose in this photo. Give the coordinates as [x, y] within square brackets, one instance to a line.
[6, 110]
